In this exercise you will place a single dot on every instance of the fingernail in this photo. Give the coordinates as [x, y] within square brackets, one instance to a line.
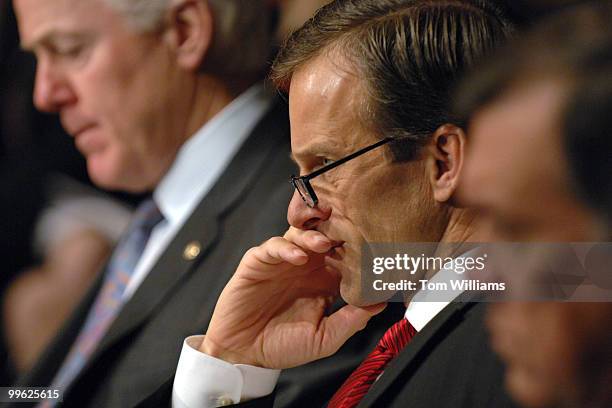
[298, 252]
[322, 240]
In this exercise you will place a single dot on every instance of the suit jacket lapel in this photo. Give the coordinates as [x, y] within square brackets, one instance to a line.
[202, 227]
[415, 350]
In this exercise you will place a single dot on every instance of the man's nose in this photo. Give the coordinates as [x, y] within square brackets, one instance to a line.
[51, 89]
[303, 217]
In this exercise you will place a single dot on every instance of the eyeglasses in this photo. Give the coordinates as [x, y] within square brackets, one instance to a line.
[303, 186]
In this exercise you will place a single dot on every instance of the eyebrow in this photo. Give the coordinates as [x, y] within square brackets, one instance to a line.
[31, 45]
[314, 149]
[48, 38]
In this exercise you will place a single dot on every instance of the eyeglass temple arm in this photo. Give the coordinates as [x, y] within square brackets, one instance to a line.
[347, 158]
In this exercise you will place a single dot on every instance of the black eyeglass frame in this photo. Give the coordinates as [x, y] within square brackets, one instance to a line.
[305, 180]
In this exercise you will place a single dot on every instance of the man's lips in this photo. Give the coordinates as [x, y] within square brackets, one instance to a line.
[338, 249]
[75, 132]
[87, 140]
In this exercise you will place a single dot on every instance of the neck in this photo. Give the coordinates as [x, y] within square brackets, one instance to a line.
[462, 227]
[210, 96]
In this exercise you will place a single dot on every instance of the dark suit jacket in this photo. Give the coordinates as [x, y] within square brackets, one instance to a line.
[140, 352]
[447, 365]
[247, 205]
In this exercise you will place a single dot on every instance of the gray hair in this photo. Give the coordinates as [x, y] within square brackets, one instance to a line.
[243, 31]
[142, 15]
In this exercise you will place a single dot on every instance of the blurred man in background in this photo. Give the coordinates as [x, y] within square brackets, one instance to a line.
[539, 118]
[50, 252]
[163, 96]
[76, 227]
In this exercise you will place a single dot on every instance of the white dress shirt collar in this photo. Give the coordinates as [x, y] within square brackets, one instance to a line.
[204, 157]
[420, 310]
[197, 167]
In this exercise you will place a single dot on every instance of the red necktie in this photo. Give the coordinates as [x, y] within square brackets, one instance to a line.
[360, 381]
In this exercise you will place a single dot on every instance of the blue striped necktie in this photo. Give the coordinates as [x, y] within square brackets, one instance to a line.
[110, 298]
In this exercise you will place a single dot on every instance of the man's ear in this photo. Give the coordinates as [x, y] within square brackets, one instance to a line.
[189, 31]
[446, 154]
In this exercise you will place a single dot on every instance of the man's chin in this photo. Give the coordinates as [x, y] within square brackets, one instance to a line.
[111, 179]
[113, 184]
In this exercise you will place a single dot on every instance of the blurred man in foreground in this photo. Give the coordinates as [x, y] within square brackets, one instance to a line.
[537, 113]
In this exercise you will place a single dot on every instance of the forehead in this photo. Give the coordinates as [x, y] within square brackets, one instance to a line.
[537, 105]
[41, 18]
[325, 100]
[515, 155]
[522, 129]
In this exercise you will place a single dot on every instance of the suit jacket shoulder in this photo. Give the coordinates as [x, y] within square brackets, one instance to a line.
[140, 351]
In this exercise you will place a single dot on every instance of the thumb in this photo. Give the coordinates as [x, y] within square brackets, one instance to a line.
[343, 324]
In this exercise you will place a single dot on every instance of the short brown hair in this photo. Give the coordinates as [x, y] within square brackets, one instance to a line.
[409, 53]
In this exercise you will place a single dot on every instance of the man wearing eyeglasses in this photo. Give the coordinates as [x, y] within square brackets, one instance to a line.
[380, 158]
[164, 96]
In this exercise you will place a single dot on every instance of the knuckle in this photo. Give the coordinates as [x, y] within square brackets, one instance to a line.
[270, 241]
[276, 241]
[250, 252]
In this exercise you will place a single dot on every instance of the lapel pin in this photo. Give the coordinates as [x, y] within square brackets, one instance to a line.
[192, 250]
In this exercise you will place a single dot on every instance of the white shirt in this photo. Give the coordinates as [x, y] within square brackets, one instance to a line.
[205, 382]
[421, 309]
[198, 165]
[74, 207]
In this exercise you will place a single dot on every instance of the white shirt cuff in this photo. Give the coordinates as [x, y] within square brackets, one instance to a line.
[203, 381]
